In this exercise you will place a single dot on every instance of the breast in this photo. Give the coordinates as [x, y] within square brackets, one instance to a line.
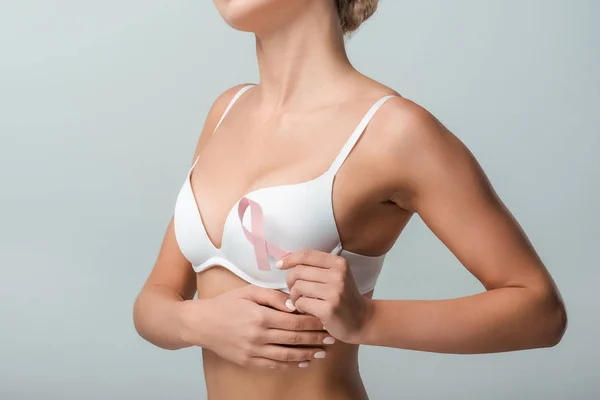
[190, 234]
[294, 217]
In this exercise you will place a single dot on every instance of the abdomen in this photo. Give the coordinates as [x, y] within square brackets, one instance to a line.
[335, 377]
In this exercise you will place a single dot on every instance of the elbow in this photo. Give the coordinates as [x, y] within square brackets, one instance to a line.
[148, 328]
[558, 326]
[140, 323]
[554, 319]
[137, 317]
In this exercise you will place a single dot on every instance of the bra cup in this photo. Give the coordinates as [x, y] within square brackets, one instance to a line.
[188, 228]
[239, 251]
[296, 217]
[299, 217]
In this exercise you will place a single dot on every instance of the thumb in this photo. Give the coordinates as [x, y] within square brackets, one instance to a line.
[269, 297]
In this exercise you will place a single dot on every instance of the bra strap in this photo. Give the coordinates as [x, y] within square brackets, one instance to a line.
[233, 100]
[343, 154]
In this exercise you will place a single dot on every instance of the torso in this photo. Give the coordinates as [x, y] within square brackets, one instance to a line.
[240, 158]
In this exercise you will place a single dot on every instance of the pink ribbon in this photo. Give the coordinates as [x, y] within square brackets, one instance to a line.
[262, 248]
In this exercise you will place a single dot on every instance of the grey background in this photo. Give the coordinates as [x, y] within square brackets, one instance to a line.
[101, 104]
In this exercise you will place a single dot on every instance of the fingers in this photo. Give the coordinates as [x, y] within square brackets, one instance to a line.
[311, 257]
[292, 322]
[290, 354]
[267, 297]
[311, 289]
[278, 336]
[321, 309]
[261, 362]
[306, 273]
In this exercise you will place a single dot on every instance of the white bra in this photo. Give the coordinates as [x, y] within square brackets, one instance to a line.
[280, 219]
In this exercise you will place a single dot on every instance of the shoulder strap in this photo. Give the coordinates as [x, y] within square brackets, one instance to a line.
[233, 100]
[343, 154]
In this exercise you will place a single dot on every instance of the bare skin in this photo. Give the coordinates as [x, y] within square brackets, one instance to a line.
[288, 129]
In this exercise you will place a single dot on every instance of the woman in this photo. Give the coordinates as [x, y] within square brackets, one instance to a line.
[284, 257]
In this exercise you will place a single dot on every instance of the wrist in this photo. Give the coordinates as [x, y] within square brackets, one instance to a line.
[187, 312]
[363, 336]
[183, 327]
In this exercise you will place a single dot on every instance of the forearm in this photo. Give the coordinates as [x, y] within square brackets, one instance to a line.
[159, 318]
[503, 319]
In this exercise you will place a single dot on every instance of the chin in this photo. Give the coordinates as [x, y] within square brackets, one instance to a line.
[257, 15]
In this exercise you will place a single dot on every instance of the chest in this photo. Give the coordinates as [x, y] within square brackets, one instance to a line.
[254, 202]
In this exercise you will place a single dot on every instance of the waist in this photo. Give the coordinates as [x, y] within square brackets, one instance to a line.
[335, 377]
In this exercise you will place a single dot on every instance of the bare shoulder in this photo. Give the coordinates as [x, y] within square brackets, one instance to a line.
[408, 127]
[215, 112]
[222, 100]
[419, 152]
[403, 124]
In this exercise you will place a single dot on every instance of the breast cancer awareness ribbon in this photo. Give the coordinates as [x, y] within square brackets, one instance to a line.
[262, 248]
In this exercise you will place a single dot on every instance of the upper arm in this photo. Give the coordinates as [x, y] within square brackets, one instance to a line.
[171, 269]
[453, 196]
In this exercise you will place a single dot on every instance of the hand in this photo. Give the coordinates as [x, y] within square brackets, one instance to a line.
[321, 284]
[252, 326]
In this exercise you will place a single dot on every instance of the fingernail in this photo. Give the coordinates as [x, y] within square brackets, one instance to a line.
[303, 364]
[329, 340]
[279, 264]
[320, 354]
[289, 304]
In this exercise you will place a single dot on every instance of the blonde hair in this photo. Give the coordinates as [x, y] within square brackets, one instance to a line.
[354, 12]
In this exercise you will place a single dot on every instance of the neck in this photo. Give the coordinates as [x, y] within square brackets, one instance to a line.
[302, 60]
